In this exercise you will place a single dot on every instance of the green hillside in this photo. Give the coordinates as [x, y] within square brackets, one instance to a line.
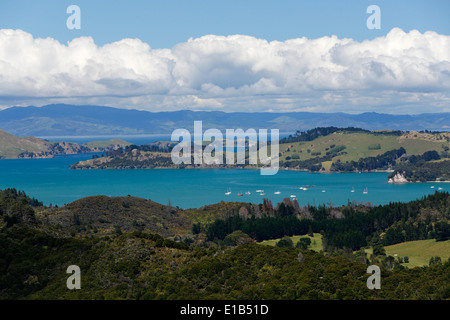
[11, 146]
[319, 149]
[421, 251]
[102, 145]
[124, 250]
[102, 215]
[356, 145]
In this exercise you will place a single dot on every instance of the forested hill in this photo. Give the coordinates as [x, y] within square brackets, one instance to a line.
[350, 226]
[351, 149]
[129, 261]
[422, 171]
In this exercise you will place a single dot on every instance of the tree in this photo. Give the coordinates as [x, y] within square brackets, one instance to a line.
[389, 262]
[303, 243]
[434, 261]
[169, 207]
[310, 231]
[285, 242]
[379, 250]
[236, 238]
[442, 230]
[76, 219]
[196, 228]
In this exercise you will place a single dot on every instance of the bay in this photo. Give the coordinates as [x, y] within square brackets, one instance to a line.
[51, 181]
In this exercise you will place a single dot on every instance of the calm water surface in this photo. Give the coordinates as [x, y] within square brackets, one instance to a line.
[51, 181]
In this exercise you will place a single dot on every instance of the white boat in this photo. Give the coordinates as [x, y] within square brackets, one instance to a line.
[262, 194]
[439, 188]
[324, 190]
[248, 192]
[303, 188]
[228, 192]
[432, 187]
[293, 196]
[277, 192]
[366, 191]
[260, 191]
[353, 190]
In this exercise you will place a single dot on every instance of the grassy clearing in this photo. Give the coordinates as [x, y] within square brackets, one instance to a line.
[316, 241]
[419, 252]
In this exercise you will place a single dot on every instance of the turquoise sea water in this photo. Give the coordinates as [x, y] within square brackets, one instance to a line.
[51, 181]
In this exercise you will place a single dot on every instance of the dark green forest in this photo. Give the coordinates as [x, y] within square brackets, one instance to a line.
[417, 220]
[219, 260]
[424, 171]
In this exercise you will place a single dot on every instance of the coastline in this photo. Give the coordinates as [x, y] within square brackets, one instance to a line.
[258, 168]
[234, 167]
[238, 167]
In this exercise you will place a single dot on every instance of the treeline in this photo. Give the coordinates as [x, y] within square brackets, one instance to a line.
[417, 220]
[424, 171]
[154, 147]
[33, 265]
[19, 196]
[315, 133]
[313, 164]
[383, 161]
[420, 159]
[142, 265]
[16, 207]
[130, 163]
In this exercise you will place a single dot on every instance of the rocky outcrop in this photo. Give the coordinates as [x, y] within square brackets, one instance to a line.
[398, 178]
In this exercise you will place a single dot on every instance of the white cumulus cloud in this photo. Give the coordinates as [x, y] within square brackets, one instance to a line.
[399, 72]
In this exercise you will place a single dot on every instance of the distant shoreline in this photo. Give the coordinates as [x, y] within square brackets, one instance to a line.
[258, 168]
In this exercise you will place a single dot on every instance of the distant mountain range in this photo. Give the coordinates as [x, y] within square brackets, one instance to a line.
[71, 120]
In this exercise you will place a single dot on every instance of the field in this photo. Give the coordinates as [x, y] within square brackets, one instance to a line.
[316, 241]
[419, 252]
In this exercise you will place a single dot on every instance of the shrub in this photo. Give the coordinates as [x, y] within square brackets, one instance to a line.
[303, 243]
[285, 242]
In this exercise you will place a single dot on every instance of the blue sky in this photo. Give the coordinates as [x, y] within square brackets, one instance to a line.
[228, 55]
[164, 23]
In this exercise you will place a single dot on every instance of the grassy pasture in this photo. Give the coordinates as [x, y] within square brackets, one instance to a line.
[316, 241]
[419, 252]
[357, 146]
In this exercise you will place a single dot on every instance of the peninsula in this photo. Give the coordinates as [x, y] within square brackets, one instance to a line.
[326, 149]
[12, 147]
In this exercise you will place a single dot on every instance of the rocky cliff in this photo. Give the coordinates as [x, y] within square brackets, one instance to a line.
[398, 178]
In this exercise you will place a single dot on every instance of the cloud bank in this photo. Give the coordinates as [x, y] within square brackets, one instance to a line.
[398, 73]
